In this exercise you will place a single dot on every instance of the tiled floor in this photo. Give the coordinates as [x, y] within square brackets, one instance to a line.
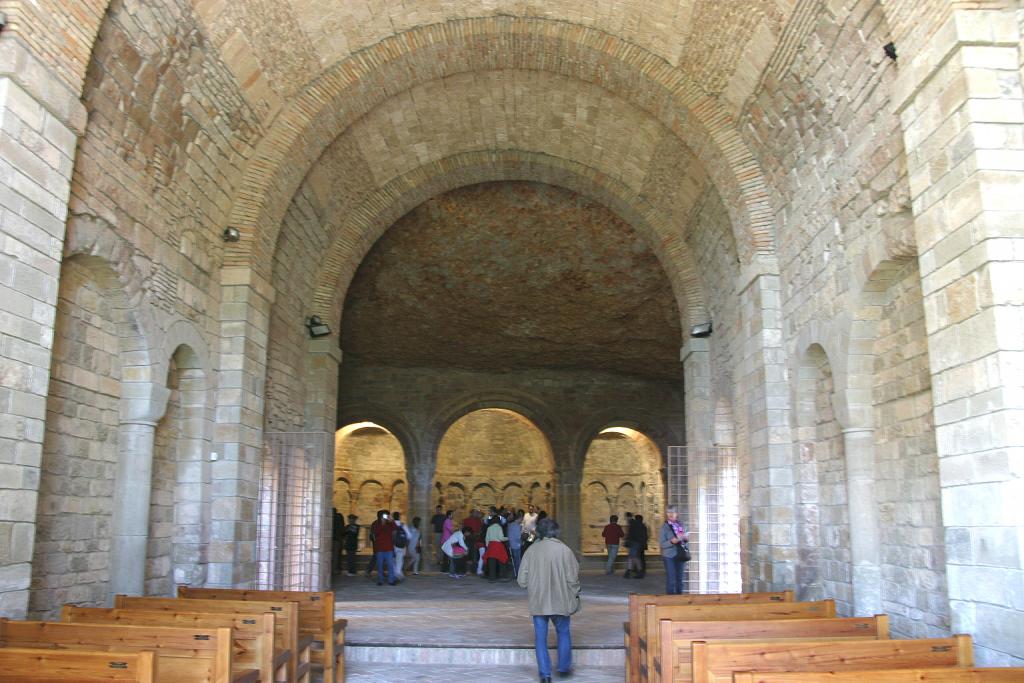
[471, 621]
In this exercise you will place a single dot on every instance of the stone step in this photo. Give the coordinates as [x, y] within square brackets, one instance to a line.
[369, 672]
[611, 657]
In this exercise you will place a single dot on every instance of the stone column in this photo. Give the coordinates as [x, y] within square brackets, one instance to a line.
[142, 406]
[695, 355]
[246, 299]
[40, 121]
[763, 397]
[569, 501]
[865, 536]
[421, 480]
[960, 101]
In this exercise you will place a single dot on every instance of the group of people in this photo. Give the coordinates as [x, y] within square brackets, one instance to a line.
[495, 541]
[673, 542]
[397, 546]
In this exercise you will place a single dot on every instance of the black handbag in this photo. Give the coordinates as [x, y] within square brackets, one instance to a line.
[684, 551]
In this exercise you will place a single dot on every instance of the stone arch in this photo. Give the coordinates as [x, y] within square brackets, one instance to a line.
[180, 496]
[399, 497]
[378, 478]
[512, 496]
[823, 533]
[342, 496]
[350, 88]
[397, 426]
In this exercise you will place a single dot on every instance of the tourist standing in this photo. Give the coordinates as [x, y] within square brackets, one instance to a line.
[494, 551]
[351, 541]
[415, 549]
[515, 541]
[456, 548]
[645, 538]
[675, 553]
[437, 527]
[447, 529]
[551, 576]
[529, 527]
[633, 536]
[401, 543]
[613, 534]
[384, 547]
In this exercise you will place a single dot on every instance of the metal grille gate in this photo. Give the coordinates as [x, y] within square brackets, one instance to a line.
[703, 483]
[293, 549]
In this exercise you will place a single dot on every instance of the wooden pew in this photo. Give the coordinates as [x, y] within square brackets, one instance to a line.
[183, 655]
[286, 623]
[18, 665]
[716, 661]
[633, 628]
[252, 634]
[316, 618]
[750, 611]
[944, 675]
[673, 663]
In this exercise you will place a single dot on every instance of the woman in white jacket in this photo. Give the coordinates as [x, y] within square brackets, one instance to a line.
[457, 549]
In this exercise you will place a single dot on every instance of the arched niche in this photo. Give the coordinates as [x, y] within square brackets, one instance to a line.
[621, 473]
[369, 471]
[494, 456]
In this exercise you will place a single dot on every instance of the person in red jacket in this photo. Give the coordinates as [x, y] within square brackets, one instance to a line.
[383, 531]
[613, 534]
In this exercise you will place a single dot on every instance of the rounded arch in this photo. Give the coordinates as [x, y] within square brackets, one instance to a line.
[639, 421]
[353, 413]
[349, 89]
[377, 478]
[356, 231]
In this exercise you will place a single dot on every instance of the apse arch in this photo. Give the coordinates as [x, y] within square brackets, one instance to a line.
[329, 105]
[490, 454]
[621, 473]
[370, 466]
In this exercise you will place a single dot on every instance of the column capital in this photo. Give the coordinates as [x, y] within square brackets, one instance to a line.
[143, 402]
[694, 345]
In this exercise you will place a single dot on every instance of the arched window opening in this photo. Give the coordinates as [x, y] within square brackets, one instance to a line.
[369, 473]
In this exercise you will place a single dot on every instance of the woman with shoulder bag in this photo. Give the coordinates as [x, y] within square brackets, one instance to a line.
[675, 551]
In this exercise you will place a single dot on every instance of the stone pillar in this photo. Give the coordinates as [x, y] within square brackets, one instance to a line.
[763, 398]
[421, 480]
[865, 536]
[40, 121]
[960, 101]
[695, 355]
[569, 503]
[246, 299]
[142, 406]
[323, 360]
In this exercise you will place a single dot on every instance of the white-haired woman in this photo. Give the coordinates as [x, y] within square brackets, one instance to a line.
[675, 553]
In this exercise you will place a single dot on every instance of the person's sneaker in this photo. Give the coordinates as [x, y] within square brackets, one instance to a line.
[565, 674]
[350, 574]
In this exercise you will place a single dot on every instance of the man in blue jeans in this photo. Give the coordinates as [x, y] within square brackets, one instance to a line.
[551, 576]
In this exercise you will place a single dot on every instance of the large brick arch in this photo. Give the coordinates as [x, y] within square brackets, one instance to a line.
[355, 86]
[355, 232]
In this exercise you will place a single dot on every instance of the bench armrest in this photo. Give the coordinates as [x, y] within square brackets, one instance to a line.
[245, 676]
[340, 625]
[281, 657]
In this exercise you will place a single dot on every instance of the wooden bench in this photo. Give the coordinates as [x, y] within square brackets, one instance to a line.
[633, 628]
[316, 618]
[183, 655]
[286, 623]
[673, 662]
[252, 635]
[83, 666]
[944, 675]
[750, 611]
[716, 661]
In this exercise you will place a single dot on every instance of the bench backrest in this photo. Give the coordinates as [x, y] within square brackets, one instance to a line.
[183, 654]
[316, 608]
[636, 625]
[653, 614]
[715, 661]
[21, 664]
[252, 634]
[944, 675]
[673, 663]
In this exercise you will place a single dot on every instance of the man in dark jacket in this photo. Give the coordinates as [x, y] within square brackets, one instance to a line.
[551, 576]
[383, 531]
[351, 542]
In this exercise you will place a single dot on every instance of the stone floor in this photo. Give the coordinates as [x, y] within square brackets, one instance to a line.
[435, 628]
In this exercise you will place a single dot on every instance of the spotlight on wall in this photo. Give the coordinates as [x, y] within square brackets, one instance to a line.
[317, 327]
[231, 234]
[890, 50]
[3, 21]
[702, 330]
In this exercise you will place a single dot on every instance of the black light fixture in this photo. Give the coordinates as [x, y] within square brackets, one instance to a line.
[890, 50]
[702, 330]
[231, 234]
[317, 327]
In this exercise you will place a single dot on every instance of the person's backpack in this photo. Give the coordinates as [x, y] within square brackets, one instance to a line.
[401, 538]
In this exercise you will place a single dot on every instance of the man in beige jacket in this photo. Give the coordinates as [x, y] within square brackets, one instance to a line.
[551, 576]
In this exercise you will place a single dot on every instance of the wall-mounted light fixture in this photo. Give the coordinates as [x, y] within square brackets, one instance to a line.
[702, 330]
[231, 234]
[890, 50]
[317, 327]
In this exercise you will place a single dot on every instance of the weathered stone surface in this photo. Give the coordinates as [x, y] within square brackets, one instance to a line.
[513, 275]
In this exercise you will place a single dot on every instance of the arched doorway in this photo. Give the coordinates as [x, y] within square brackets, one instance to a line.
[621, 473]
[494, 456]
[369, 472]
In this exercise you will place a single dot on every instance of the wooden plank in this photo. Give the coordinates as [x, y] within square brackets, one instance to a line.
[19, 665]
[633, 627]
[653, 614]
[252, 633]
[316, 618]
[183, 654]
[943, 675]
[286, 624]
[673, 661]
[716, 661]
